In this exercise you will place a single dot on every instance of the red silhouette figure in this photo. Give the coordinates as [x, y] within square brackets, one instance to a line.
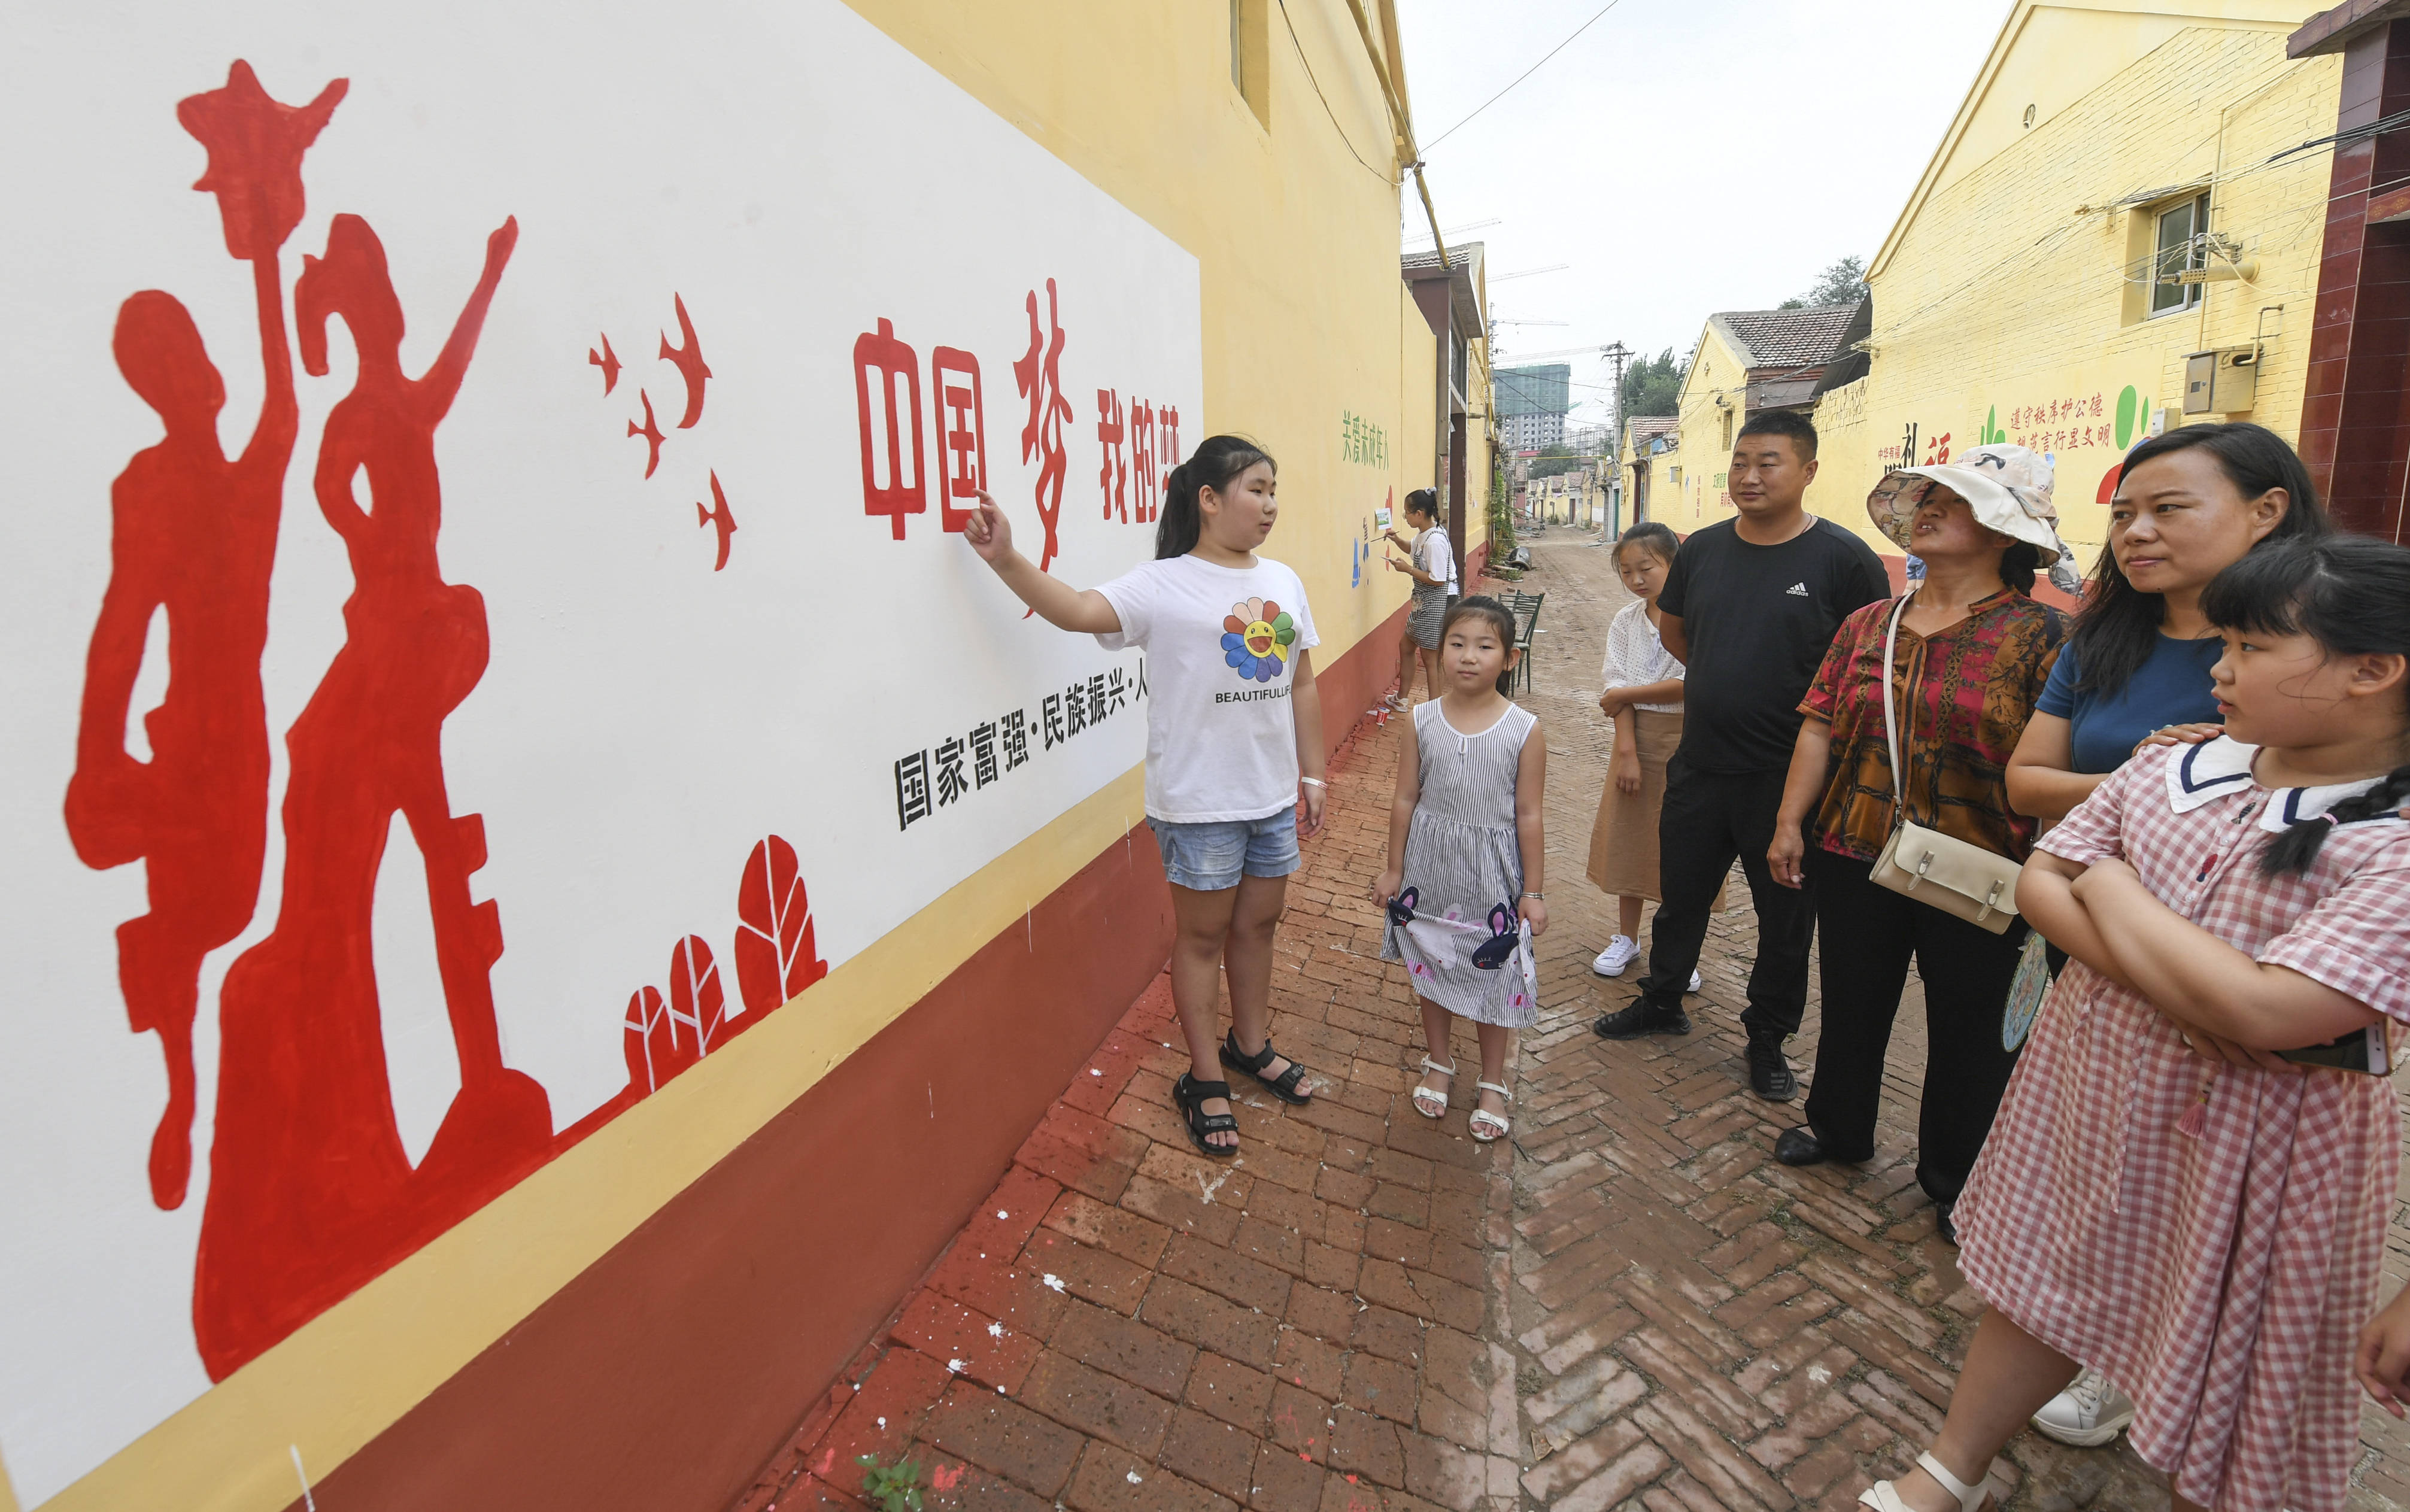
[608, 361]
[1043, 385]
[194, 535]
[310, 1192]
[719, 516]
[651, 432]
[689, 361]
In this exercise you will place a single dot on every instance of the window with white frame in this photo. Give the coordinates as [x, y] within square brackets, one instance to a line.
[2180, 245]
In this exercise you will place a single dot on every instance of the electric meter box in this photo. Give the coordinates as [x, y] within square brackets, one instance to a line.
[2224, 381]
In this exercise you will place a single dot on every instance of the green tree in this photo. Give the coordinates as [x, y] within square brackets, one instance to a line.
[1653, 385]
[1553, 460]
[1842, 283]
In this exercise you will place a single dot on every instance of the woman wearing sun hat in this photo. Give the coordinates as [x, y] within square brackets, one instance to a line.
[1972, 654]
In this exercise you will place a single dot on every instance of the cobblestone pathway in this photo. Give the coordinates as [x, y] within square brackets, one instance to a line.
[1634, 1307]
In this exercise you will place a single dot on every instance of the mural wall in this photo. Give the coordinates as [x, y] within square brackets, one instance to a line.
[484, 623]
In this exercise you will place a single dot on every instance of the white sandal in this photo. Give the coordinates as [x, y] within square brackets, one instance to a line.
[1484, 1119]
[1426, 1109]
[1990, 1493]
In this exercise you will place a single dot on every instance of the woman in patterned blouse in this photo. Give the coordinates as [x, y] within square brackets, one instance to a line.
[1973, 654]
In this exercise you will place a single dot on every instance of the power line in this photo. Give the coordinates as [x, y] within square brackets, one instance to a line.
[1344, 139]
[1518, 78]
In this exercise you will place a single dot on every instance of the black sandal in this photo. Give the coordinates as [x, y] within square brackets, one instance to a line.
[1189, 1096]
[1283, 1086]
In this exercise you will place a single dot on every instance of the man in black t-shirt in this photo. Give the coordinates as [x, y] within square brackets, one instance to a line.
[1750, 606]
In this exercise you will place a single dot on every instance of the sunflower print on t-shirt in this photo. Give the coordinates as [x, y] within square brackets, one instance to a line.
[1256, 638]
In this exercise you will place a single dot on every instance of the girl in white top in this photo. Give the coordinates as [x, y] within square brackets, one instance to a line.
[1643, 695]
[1432, 563]
[1234, 754]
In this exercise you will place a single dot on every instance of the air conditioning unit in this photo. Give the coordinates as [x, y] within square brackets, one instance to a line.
[2223, 381]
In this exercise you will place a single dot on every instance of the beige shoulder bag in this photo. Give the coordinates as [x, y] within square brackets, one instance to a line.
[1975, 884]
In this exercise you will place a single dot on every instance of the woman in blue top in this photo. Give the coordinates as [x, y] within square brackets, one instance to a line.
[2135, 672]
[2135, 665]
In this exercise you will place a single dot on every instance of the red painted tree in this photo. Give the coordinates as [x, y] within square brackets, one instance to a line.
[776, 954]
[195, 535]
[652, 1052]
[698, 1002]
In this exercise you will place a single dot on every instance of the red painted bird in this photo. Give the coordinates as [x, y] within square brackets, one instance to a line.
[608, 361]
[720, 516]
[651, 432]
[689, 360]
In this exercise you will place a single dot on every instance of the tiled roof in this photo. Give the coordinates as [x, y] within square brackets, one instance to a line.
[1786, 338]
[1654, 425]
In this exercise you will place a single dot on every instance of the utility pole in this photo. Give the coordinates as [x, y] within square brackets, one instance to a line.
[1618, 354]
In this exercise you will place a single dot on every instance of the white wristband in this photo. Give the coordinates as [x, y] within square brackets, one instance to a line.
[1313, 781]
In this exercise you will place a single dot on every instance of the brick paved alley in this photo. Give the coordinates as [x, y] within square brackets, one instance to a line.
[1632, 1306]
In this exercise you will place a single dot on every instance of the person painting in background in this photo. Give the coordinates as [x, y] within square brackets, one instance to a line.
[1642, 697]
[1432, 563]
[2135, 671]
[1750, 606]
[1230, 783]
[1971, 653]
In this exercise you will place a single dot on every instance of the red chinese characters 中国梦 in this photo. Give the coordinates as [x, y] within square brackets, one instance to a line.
[904, 491]
[961, 433]
[1039, 373]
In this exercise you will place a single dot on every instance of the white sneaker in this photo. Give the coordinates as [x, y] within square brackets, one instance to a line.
[1617, 954]
[2088, 1414]
[1694, 981]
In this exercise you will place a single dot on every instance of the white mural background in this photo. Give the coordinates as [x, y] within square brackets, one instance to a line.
[793, 175]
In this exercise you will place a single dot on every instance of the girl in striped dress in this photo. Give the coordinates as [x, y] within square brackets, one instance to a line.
[1465, 856]
[2188, 1179]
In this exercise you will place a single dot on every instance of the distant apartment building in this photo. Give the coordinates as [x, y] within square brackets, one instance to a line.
[1531, 405]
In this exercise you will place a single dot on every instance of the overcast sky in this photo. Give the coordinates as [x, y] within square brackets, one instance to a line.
[1683, 156]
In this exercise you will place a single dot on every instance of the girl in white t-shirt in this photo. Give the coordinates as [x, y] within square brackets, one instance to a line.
[1233, 747]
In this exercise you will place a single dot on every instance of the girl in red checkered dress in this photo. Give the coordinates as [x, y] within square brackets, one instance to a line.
[2163, 1195]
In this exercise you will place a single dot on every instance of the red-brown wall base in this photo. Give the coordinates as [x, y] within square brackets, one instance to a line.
[1359, 680]
[667, 1371]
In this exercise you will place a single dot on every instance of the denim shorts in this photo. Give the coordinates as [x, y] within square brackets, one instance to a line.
[1208, 858]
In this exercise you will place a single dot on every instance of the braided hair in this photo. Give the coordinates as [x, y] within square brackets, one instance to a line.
[2349, 593]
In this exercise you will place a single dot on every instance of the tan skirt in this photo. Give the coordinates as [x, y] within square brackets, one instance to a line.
[1623, 842]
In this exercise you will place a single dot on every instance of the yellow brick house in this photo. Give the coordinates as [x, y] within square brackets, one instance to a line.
[2120, 231]
[1747, 360]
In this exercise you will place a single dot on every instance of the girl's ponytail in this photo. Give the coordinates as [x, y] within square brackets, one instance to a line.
[1212, 465]
[2293, 852]
[1175, 534]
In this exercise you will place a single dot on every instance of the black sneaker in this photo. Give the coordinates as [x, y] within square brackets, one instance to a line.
[1632, 1021]
[1769, 1072]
